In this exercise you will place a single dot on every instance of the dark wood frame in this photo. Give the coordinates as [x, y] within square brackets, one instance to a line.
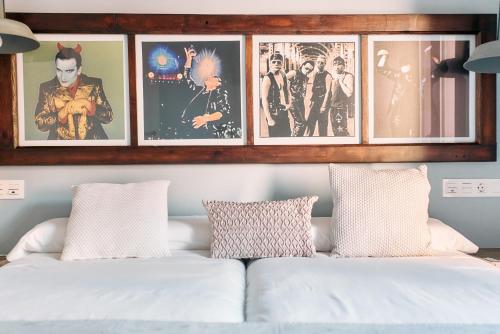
[483, 26]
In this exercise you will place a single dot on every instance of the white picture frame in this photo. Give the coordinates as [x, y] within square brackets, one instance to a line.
[104, 63]
[289, 45]
[236, 91]
[430, 56]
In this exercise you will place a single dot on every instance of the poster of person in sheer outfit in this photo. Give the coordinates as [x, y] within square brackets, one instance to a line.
[419, 91]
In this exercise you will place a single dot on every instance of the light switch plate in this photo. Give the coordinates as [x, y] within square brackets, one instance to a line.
[471, 187]
[11, 189]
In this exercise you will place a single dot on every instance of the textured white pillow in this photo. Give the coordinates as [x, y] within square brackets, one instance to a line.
[118, 221]
[446, 238]
[380, 212]
[261, 229]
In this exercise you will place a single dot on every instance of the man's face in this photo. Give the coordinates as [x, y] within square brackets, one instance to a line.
[212, 83]
[307, 68]
[320, 63]
[67, 72]
[339, 67]
[276, 65]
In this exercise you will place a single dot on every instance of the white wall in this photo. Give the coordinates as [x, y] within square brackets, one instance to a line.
[48, 188]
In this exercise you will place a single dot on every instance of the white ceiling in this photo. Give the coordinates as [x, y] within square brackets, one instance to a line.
[253, 6]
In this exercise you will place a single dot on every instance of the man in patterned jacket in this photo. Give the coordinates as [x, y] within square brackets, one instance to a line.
[72, 106]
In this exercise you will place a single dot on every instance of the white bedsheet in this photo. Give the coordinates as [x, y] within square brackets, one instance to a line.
[188, 286]
[446, 289]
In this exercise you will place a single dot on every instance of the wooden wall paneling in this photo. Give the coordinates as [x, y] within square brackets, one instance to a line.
[364, 89]
[256, 24]
[484, 26]
[132, 90]
[487, 90]
[7, 103]
[249, 90]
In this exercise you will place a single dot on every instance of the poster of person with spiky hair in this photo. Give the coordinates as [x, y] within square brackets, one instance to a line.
[73, 91]
[189, 90]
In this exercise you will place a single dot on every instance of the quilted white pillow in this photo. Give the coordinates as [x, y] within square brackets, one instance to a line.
[118, 221]
[380, 212]
[261, 229]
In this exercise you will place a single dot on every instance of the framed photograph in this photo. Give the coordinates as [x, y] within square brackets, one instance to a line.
[306, 89]
[419, 91]
[190, 90]
[73, 91]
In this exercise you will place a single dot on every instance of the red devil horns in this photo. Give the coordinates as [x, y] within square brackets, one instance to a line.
[77, 49]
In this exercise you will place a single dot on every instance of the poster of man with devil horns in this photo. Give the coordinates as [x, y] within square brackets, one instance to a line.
[73, 107]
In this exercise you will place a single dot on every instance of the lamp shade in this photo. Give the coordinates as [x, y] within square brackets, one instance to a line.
[485, 58]
[16, 37]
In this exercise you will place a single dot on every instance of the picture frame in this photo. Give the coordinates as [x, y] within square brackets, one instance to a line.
[200, 104]
[73, 91]
[481, 26]
[419, 91]
[324, 106]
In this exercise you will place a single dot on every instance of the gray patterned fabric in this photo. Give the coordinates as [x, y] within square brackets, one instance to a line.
[380, 212]
[261, 229]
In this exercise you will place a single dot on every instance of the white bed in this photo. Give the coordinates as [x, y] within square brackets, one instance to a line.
[189, 286]
[191, 293]
[442, 290]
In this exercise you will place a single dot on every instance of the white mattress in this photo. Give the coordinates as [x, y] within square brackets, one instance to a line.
[188, 286]
[445, 289]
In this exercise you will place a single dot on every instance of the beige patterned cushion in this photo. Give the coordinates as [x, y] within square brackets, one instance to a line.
[380, 212]
[261, 229]
[118, 221]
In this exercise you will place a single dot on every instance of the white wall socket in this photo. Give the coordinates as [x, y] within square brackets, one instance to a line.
[471, 187]
[11, 189]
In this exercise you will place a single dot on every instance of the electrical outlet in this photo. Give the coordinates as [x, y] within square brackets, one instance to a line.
[11, 189]
[471, 187]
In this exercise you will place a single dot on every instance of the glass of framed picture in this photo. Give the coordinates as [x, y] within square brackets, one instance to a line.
[73, 91]
[306, 89]
[190, 90]
[419, 91]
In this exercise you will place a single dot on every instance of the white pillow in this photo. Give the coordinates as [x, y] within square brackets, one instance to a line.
[46, 237]
[189, 232]
[247, 230]
[193, 233]
[118, 221]
[321, 228]
[445, 238]
[380, 212]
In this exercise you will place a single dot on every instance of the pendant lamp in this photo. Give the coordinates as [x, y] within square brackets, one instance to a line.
[15, 37]
[486, 57]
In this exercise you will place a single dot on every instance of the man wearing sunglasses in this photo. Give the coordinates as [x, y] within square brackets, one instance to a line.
[342, 98]
[321, 86]
[298, 83]
[275, 98]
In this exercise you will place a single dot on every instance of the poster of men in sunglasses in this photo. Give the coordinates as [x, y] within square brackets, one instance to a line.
[306, 90]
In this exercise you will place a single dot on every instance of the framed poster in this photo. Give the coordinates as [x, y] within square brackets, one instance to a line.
[190, 90]
[419, 91]
[306, 89]
[73, 91]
